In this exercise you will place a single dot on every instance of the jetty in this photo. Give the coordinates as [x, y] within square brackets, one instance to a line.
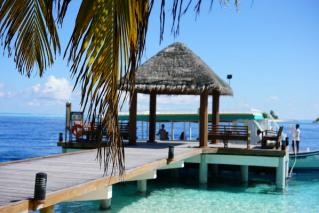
[77, 176]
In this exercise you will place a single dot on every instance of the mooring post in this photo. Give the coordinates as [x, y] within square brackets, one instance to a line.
[203, 170]
[170, 153]
[40, 186]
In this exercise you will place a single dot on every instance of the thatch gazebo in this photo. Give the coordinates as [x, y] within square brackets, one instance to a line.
[176, 70]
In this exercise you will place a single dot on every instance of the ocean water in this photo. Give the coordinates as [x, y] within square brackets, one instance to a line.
[23, 136]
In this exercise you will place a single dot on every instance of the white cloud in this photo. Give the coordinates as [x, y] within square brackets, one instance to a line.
[55, 89]
[3, 92]
[36, 88]
[33, 103]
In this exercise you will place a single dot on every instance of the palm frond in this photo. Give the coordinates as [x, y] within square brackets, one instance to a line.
[106, 45]
[29, 24]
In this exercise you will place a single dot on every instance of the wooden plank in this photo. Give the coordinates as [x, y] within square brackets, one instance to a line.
[62, 187]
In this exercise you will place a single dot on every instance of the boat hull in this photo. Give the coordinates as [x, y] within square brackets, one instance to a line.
[305, 160]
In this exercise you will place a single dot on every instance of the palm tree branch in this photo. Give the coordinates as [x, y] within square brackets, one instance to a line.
[30, 28]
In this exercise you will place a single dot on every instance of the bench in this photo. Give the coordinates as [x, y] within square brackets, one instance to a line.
[229, 132]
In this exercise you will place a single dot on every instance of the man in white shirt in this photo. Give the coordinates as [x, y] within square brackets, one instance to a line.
[296, 138]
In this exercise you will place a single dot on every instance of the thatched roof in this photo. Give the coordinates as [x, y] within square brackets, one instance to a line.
[177, 70]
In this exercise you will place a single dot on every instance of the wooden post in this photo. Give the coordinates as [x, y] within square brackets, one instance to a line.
[132, 118]
[203, 124]
[152, 118]
[215, 114]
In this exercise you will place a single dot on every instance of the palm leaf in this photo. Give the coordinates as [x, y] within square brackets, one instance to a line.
[29, 24]
[105, 46]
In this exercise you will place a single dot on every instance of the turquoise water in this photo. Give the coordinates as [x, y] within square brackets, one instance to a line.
[186, 196]
[32, 136]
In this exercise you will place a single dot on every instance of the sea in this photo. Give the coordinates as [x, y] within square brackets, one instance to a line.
[26, 136]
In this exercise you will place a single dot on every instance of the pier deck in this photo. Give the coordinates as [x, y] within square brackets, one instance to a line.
[75, 174]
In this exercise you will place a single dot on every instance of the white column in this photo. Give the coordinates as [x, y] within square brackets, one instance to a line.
[142, 186]
[203, 170]
[281, 174]
[244, 173]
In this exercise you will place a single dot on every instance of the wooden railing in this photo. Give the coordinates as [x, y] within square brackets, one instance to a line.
[229, 132]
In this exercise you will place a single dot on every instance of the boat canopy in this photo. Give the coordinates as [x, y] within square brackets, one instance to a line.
[176, 117]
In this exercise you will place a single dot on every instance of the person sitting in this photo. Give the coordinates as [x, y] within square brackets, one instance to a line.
[163, 133]
[182, 136]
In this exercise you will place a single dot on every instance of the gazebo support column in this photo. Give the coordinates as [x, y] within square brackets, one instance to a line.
[203, 123]
[132, 118]
[215, 108]
[152, 117]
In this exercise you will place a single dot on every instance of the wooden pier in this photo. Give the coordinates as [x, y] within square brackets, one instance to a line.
[72, 176]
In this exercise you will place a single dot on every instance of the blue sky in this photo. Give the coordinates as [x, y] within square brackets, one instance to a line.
[270, 47]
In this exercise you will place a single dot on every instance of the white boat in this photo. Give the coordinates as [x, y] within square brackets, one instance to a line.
[304, 160]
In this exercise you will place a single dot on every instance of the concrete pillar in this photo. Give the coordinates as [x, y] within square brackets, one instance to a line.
[281, 174]
[49, 209]
[203, 171]
[142, 186]
[244, 173]
[105, 204]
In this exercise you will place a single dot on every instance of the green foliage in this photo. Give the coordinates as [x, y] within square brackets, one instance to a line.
[272, 113]
[265, 115]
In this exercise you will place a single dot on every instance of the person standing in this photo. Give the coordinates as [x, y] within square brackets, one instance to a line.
[296, 138]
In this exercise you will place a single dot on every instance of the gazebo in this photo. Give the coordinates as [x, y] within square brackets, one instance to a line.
[176, 70]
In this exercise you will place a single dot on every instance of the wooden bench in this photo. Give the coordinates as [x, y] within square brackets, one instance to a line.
[270, 135]
[229, 132]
